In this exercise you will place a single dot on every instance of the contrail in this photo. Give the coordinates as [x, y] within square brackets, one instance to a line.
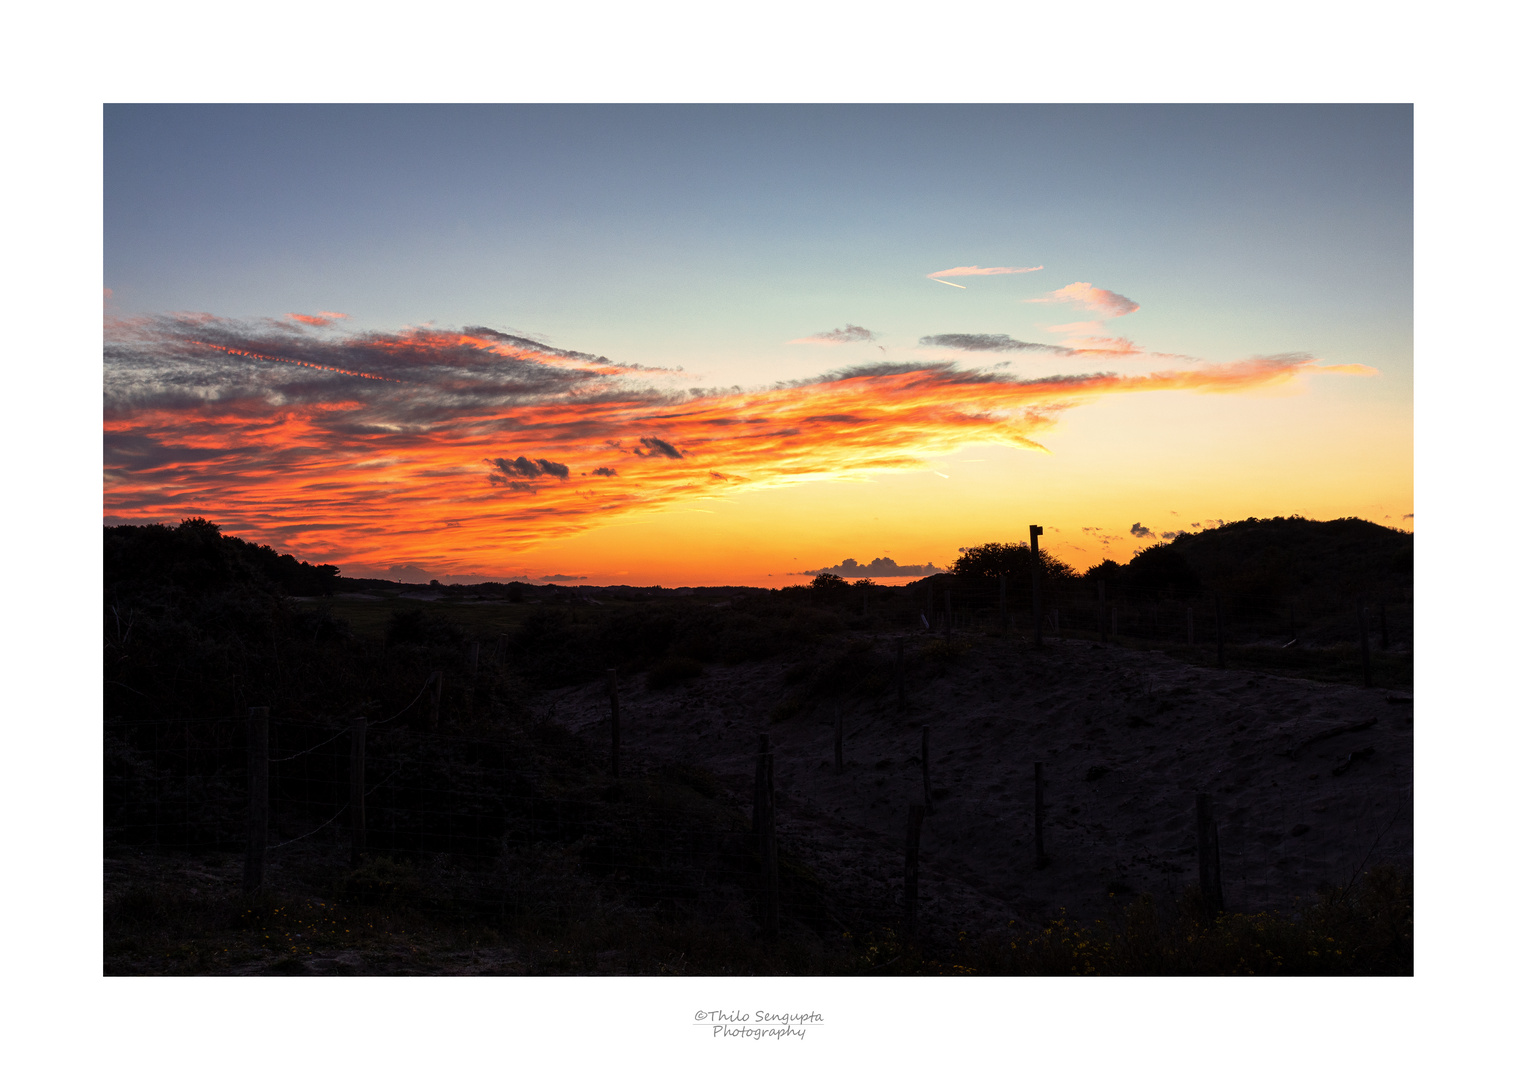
[299, 363]
[940, 281]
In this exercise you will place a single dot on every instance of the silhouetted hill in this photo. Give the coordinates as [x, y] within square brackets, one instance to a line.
[1275, 559]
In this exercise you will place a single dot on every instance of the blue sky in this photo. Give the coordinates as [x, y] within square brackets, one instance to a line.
[710, 236]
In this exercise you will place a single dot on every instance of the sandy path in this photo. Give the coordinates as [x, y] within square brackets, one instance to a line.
[1161, 730]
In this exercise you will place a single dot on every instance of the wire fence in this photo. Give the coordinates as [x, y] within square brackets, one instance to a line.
[1139, 616]
[401, 788]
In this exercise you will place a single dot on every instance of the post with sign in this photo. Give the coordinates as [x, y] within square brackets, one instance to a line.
[1035, 531]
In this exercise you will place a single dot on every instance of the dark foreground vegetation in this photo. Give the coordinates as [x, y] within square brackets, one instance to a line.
[498, 841]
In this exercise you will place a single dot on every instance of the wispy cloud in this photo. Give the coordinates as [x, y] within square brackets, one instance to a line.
[1086, 295]
[470, 443]
[1102, 346]
[1347, 369]
[1092, 348]
[989, 343]
[325, 318]
[846, 336]
[982, 271]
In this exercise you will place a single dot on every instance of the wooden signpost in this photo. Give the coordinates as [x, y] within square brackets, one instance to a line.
[1033, 532]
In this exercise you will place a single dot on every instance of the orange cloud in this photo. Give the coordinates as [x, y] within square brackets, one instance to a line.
[326, 318]
[456, 450]
[1088, 296]
[1347, 369]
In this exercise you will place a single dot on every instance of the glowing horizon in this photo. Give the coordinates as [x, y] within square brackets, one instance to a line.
[483, 445]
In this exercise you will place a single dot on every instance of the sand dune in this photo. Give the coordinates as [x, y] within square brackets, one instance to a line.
[1311, 781]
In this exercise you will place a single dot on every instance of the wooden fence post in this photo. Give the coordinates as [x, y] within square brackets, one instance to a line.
[1056, 624]
[1190, 625]
[1208, 856]
[763, 815]
[926, 777]
[913, 847]
[837, 738]
[474, 660]
[1037, 815]
[436, 697]
[1364, 643]
[616, 724]
[1035, 531]
[1221, 652]
[947, 615]
[759, 790]
[900, 674]
[1101, 610]
[355, 787]
[258, 798]
[1385, 630]
[772, 852]
[1002, 578]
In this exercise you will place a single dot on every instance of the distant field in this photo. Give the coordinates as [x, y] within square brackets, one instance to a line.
[484, 619]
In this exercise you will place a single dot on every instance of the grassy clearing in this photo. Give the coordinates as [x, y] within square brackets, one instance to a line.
[481, 621]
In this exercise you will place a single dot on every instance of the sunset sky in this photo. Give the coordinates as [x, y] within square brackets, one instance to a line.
[737, 345]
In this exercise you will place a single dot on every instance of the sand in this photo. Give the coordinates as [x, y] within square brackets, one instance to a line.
[1127, 739]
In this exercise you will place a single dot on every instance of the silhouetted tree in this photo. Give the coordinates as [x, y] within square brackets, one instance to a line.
[828, 581]
[993, 560]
